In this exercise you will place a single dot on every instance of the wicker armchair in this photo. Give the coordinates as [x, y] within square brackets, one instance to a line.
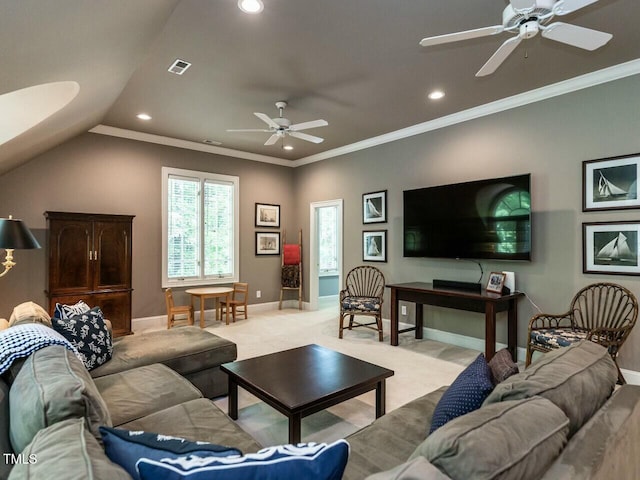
[364, 288]
[604, 313]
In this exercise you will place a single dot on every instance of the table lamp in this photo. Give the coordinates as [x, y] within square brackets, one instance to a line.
[14, 234]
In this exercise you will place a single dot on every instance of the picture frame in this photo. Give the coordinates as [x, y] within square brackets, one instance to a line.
[611, 248]
[267, 215]
[267, 243]
[495, 282]
[374, 207]
[610, 183]
[374, 246]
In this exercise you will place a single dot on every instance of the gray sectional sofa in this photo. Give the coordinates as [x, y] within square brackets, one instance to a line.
[51, 407]
[556, 420]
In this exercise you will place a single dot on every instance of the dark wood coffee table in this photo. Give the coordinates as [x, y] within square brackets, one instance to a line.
[305, 380]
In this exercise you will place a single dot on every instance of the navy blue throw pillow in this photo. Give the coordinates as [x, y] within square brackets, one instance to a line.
[466, 393]
[87, 332]
[126, 447]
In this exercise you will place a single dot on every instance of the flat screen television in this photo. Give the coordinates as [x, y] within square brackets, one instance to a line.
[484, 219]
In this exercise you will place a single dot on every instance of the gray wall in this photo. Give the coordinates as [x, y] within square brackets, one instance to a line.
[550, 140]
[99, 174]
[328, 285]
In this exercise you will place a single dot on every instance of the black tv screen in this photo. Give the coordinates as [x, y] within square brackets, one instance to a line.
[485, 219]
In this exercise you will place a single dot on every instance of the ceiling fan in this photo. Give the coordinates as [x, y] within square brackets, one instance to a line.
[525, 18]
[279, 127]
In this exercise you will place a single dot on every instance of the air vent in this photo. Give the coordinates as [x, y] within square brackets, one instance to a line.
[179, 67]
[211, 142]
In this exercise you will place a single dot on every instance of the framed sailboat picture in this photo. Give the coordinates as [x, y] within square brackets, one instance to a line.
[611, 183]
[374, 207]
[374, 246]
[611, 248]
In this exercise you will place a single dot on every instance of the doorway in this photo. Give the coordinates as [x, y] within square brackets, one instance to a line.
[325, 253]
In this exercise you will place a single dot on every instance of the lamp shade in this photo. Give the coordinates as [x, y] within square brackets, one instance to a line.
[14, 234]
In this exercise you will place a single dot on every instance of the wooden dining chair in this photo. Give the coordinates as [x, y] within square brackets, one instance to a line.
[238, 300]
[173, 310]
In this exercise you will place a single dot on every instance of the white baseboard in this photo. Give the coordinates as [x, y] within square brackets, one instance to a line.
[631, 376]
[160, 321]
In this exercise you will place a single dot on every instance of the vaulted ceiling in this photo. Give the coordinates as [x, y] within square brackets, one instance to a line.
[354, 63]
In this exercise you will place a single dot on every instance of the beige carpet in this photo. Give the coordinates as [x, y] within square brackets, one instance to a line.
[420, 366]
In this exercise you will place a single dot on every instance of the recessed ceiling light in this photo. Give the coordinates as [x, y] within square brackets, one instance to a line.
[436, 95]
[251, 6]
[288, 147]
[144, 116]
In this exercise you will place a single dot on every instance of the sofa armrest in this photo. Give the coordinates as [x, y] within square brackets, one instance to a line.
[606, 446]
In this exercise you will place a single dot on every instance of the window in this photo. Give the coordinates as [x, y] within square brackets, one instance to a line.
[328, 240]
[511, 212]
[199, 228]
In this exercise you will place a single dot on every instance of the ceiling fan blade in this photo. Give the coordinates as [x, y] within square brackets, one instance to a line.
[520, 5]
[456, 37]
[306, 125]
[500, 56]
[564, 7]
[307, 137]
[580, 37]
[272, 139]
[267, 119]
[248, 130]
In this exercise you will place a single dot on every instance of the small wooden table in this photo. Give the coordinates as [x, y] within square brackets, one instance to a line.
[303, 381]
[210, 292]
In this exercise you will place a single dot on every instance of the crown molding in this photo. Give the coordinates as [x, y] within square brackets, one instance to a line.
[581, 82]
[186, 144]
[561, 88]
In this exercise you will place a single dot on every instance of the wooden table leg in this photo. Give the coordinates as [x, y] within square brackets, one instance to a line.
[295, 429]
[233, 399]
[419, 321]
[512, 329]
[201, 311]
[226, 299]
[489, 331]
[394, 317]
[380, 398]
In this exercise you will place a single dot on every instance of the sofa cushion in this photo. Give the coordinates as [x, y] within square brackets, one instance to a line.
[140, 391]
[66, 450]
[510, 440]
[126, 447]
[417, 469]
[29, 312]
[312, 461]
[392, 438]
[5, 444]
[22, 340]
[466, 393]
[502, 366]
[583, 370]
[184, 349]
[198, 420]
[53, 386]
[87, 332]
[67, 311]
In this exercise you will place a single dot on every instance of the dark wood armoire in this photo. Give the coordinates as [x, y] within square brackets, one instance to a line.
[90, 260]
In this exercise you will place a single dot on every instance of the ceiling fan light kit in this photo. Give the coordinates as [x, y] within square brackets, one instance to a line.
[525, 19]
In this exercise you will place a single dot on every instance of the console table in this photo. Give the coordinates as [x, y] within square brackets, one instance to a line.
[482, 302]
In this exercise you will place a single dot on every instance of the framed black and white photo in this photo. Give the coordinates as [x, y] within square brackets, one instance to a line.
[611, 248]
[495, 282]
[374, 207]
[611, 183]
[267, 215]
[374, 246]
[267, 243]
